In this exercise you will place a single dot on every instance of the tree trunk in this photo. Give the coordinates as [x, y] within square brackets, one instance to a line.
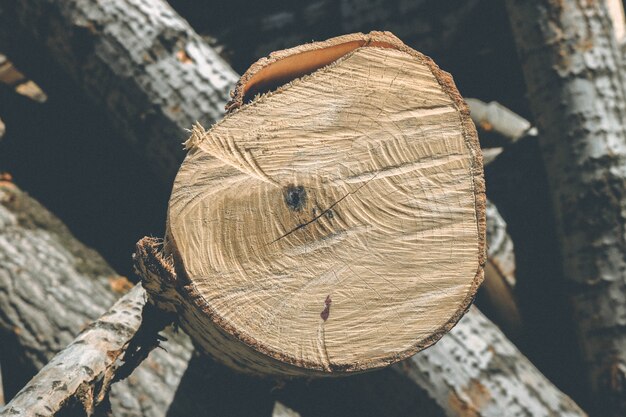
[139, 60]
[46, 300]
[572, 68]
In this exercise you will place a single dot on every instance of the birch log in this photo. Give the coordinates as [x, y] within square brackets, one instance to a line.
[83, 372]
[572, 68]
[138, 60]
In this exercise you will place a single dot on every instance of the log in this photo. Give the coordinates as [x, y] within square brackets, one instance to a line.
[51, 287]
[319, 234]
[84, 370]
[571, 63]
[493, 378]
[139, 61]
[31, 12]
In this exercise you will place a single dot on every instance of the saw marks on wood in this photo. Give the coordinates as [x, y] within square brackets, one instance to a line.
[336, 223]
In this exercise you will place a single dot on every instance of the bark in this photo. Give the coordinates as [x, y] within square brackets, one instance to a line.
[51, 287]
[576, 91]
[151, 73]
[476, 371]
[82, 373]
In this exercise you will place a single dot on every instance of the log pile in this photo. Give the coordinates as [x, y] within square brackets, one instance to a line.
[332, 222]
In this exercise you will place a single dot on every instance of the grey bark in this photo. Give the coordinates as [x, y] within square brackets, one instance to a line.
[139, 60]
[475, 370]
[51, 286]
[576, 91]
[84, 370]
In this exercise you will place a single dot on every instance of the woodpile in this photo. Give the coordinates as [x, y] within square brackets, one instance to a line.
[328, 226]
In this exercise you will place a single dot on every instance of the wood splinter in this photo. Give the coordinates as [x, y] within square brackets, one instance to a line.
[334, 221]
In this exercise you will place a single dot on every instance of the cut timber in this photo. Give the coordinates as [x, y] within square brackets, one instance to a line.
[334, 225]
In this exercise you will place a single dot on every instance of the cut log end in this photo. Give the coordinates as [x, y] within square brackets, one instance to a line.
[333, 225]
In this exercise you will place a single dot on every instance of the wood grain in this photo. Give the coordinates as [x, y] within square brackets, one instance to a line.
[336, 224]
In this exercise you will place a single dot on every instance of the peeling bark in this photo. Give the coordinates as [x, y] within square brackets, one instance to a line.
[84, 370]
[572, 68]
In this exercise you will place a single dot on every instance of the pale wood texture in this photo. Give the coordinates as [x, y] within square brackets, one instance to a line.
[572, 65]
[336, 224]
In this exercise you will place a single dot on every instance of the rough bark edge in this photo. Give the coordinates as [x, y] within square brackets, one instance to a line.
[168, 290]
[373, 39]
